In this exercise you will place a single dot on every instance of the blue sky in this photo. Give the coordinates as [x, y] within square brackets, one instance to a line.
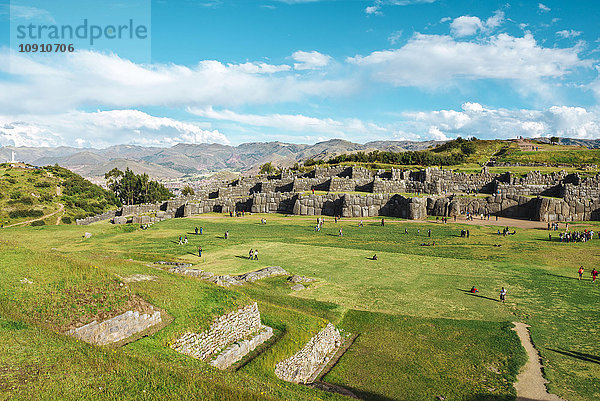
[301, 71]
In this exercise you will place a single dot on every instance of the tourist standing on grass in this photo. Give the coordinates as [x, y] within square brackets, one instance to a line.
[429, 233]
[341, 234]
[196, 230]
[200, 230]
[185, 240]
[199, 251]
[226, 234]
[382, 222]
[251, 254]
[503, 294]
[180, 240]
[594, 275]
[256, 254]
[580, 272]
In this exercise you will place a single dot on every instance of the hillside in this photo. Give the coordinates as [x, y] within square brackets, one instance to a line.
[49, 195]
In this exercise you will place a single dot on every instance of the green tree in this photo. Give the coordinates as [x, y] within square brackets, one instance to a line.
[268, 168]
[133, 189]
[187, 191]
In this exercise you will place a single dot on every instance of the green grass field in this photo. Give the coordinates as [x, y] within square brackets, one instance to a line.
[421, 334]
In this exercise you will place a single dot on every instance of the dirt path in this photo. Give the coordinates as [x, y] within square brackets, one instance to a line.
[531, 385]
[60, 209]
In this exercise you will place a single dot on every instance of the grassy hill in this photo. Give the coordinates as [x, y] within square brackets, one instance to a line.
[48, 194]
[421, 334]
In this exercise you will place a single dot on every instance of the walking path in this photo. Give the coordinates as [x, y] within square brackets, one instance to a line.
[61, 207]
[531, 385]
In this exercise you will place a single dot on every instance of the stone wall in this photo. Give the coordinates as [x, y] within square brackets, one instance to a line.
[234, 327]
[311, 205]
[117, 328]
[300, 367]
[273, 202]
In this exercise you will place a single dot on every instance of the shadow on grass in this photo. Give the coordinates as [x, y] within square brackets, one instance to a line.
[242, 257]
[578, 355]
[558, 275]
[468, 292]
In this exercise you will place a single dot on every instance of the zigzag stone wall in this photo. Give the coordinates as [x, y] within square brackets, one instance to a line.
[237, 333]
[301, 366]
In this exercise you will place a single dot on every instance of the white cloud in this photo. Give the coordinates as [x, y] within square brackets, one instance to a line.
[289, 122]
[543, 8]
[102, 128]
[375, 9]
[465, 26]
[310, 60]
[436, 60]
[18, 12]
[395, 37]
[468, 25]
[486, 123]
[56, 83]
[568, 34]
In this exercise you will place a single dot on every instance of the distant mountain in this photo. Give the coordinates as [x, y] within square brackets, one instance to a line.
[188, 159]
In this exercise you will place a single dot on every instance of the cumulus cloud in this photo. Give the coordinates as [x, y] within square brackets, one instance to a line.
[543, 8]
[310, 60]
[289, 122]
[476, 120]
[84, 78]
[102, 128]
[435, 60]
[468, 25]
[568, 34]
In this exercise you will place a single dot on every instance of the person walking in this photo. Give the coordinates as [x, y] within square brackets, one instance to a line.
[199, 251]
[503, 294]
[185, 240]
[580, 272]
[196, 230]
[200, 230]
[594, 275]
[180, 240]
[251, 254]
[256, 254]
[341, 234]
[382, 222]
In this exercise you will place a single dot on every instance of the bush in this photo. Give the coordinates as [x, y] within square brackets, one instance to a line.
[15, 214]
[66, 219]
[38, 223]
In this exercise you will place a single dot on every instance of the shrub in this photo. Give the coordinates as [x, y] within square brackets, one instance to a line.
[15, 214]
[38, 223]
[66, 219]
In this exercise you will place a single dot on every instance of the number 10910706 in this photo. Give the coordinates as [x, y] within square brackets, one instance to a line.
[45, 48]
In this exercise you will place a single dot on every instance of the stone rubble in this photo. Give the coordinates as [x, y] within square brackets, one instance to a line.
[227, 280]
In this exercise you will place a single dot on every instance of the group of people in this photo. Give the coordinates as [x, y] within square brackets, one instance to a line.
[582, 270]
[502, 293]
[237, 214]
[253, 254]
[320, 221]
[506, 231]
[198, 232]
[263, 221]
[575, 236]
[183, 240]
[465, 233]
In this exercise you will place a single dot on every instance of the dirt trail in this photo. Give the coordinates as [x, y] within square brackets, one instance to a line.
[60, 209]
[531, 385]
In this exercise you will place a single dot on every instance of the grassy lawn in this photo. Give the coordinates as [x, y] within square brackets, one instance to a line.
[421, 333]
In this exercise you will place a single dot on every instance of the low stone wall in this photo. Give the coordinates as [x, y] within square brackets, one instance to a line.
[227, 280]
[273, 202]
[300, 367]
[238, 350]
[117, 328]
[242, 327]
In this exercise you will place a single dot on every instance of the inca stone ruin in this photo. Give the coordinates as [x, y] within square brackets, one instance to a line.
[300, 367]
[117, 328]
[358, 192]
[229, 338]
